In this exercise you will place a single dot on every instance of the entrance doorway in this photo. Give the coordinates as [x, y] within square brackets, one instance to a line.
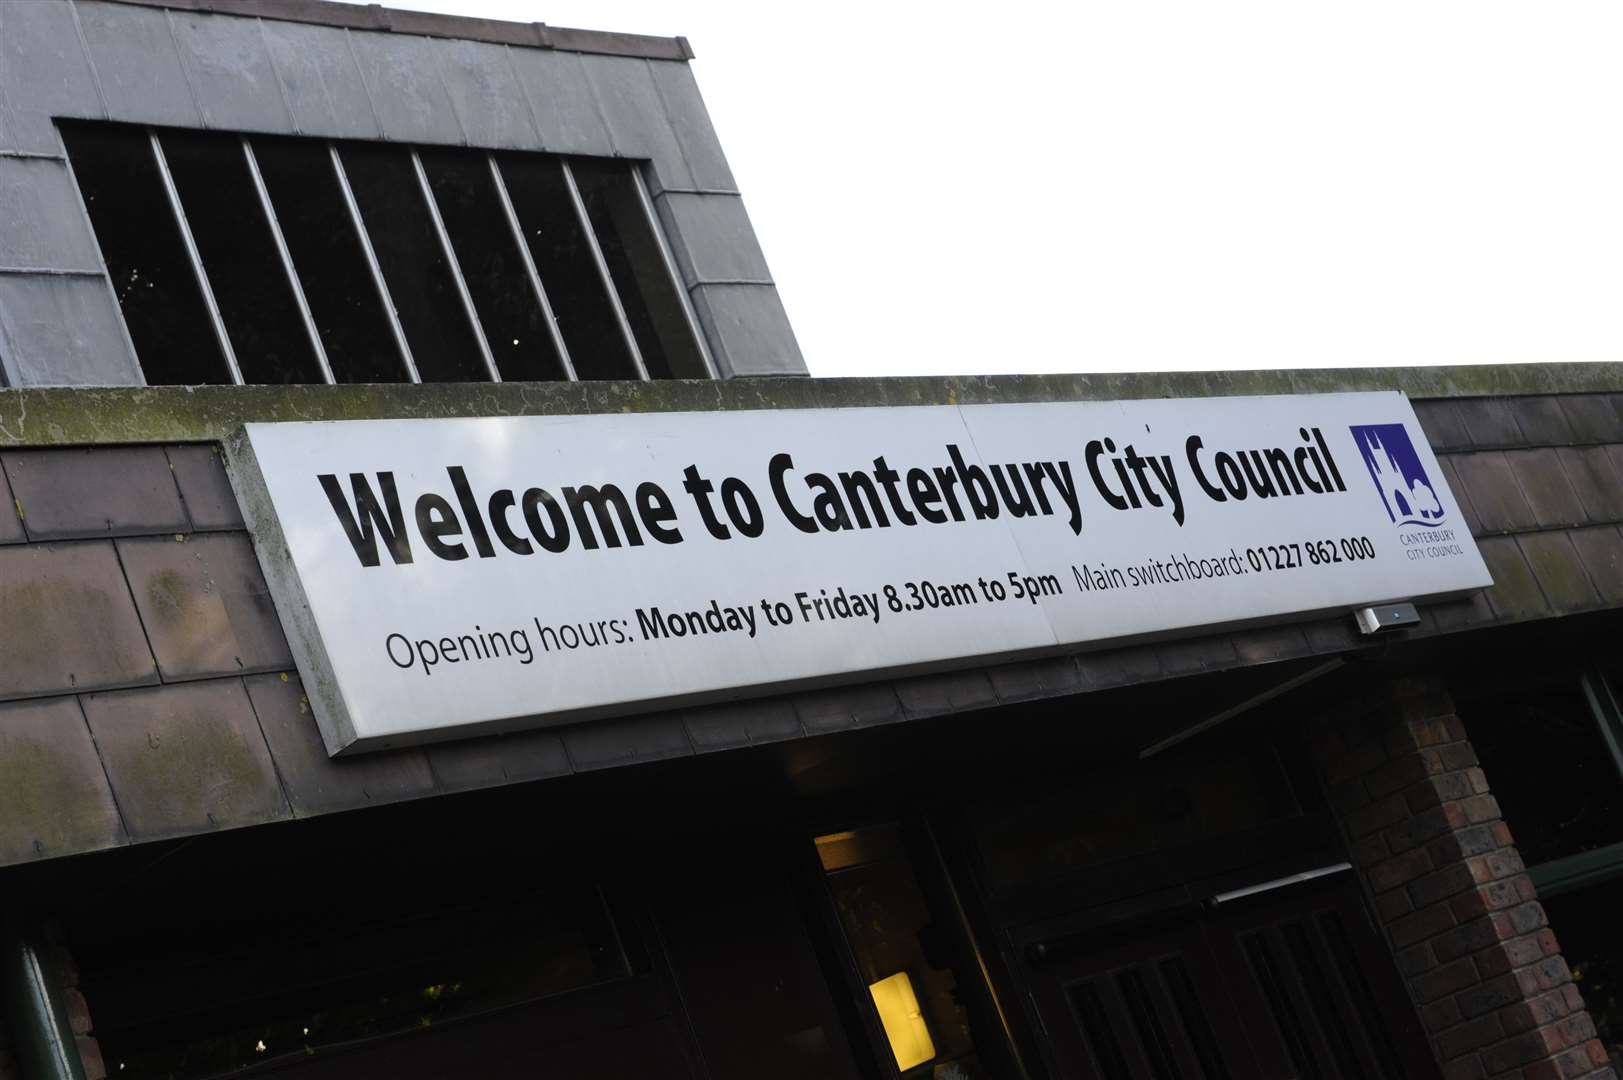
[1289, 981]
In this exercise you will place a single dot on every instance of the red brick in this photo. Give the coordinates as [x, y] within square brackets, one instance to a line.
[78, 1010]
[1376, 816]
[1547, 974]
[1451, 880]
[1445, 980]
[1575, 1030]
[1461, 845]
[1471, 1035]
[1416, 829]
[1465, 939]
[1495, 865]
[1512, 953]
[1578, 1062]
[1465, 1068]
[1370, 850]
[1400, 870]
[1534, 1012]
[1423, 924]
[1446, 787]
[1393, 905]
[1396, 775]
[90, 1058]
[1480, 808]
[1516, 1050]
[1441, 1014]
[1548, 1069]
[1415, 960]
[1522, 919]
[1479, 780]
[1495, 896]
[1458, 757]
[1432, 731]
[1489, 996]
[1501, 834]
[1350, 764]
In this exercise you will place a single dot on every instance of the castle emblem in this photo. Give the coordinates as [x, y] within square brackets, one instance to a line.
[1398, 474]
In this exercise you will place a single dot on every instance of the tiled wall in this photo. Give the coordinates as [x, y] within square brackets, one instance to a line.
[1541, 482]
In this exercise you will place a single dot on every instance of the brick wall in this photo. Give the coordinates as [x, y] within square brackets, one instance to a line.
[1449, 888]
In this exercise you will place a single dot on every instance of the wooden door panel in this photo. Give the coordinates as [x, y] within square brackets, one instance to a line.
[1296, 984]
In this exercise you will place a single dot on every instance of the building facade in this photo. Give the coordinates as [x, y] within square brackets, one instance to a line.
[1284, 849]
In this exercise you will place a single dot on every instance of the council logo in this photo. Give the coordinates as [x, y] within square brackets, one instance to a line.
[1400, 478]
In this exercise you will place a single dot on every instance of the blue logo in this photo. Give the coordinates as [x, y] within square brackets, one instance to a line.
[1399, 477]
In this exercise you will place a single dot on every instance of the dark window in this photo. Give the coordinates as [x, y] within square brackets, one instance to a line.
[494, 267]
[1552, 753]
[1548, 764]
[234, 240]
[1586, 924]
[562, 249]
[210, 993]
[433, 264]
[652, 304]
[329, 259]
[140, 239]
[420, 280]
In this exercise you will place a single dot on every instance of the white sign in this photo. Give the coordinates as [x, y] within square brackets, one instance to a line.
[446, 577]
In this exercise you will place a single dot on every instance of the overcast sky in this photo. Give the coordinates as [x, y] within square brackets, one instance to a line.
[947, 188]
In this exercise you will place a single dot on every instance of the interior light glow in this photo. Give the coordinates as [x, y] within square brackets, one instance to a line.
[905, 1028]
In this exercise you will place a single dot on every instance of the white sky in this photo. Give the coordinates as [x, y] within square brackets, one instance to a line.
[947, 188]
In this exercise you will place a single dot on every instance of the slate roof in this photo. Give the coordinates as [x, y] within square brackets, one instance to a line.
[145, 689]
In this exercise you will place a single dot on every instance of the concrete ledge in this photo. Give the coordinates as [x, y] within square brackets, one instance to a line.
[431, 24]
[58, 416]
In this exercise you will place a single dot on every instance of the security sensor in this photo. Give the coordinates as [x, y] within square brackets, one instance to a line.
[1373, 620]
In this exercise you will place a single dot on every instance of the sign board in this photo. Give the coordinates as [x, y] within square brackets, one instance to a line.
[447, 577]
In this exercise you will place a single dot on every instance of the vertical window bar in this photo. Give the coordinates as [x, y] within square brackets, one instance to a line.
[530, 267]
[287, 262]
[672, 271]
[455, 268]
[1608, 717]
[173, 195]
[389, 311]
[603, 271]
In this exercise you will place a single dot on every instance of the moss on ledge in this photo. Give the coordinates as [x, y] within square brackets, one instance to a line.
[83, 415]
